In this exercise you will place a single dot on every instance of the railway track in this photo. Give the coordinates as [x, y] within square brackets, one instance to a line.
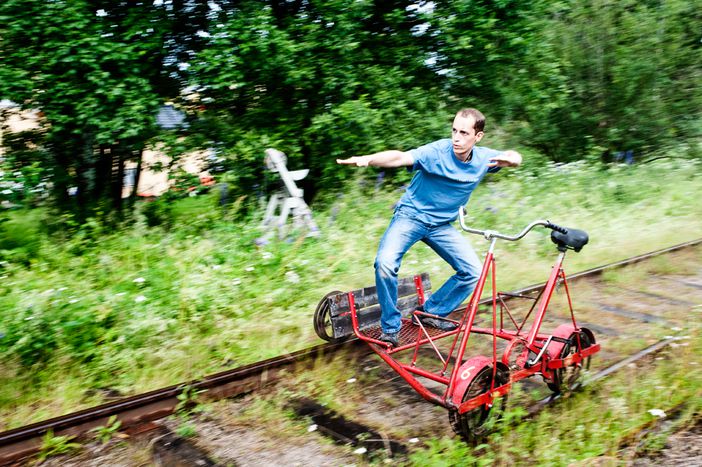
[630, 321]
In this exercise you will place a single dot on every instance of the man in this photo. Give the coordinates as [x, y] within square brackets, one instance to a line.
[446, 173]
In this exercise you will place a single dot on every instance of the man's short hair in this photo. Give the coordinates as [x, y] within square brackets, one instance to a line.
[477, 116]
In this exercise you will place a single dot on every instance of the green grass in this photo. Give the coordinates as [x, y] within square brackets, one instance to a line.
[596, 425]
[141, 307]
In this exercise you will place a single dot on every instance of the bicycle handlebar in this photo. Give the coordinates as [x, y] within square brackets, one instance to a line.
[489, 234]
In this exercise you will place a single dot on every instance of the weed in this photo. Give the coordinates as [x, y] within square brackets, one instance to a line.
[589, 424]
[105, 433]
[56, 445]
[188, 401]
[71, 309]
[186, 430]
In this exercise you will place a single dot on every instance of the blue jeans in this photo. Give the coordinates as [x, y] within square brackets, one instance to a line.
[447, 242]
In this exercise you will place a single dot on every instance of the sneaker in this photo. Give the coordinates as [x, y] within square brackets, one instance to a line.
[390, 338]
[435, 323]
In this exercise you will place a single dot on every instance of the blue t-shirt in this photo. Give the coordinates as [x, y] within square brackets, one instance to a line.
[442, 183]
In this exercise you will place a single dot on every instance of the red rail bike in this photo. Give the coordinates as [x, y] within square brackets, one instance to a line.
[440, 366]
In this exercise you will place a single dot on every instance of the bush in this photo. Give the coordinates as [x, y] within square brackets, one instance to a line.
[158, 212]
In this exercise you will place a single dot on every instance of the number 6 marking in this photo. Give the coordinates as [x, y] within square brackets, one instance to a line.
[466, 372]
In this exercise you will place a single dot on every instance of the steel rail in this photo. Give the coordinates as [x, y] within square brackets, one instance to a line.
[654, 348]
[143, 409]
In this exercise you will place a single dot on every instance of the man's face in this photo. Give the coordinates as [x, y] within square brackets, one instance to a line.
[463, 135]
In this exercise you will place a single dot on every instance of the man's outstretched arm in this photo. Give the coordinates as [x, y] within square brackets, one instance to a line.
[508, 158]
[390, 158]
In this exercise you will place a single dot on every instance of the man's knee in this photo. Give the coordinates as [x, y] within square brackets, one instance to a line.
[468, 273]
[386, 265]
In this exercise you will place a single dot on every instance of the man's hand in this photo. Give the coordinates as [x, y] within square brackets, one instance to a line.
[506, 159]
[389, 159]
[358, 161]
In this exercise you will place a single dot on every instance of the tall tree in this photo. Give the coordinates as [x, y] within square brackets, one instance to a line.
[97, 71]
[316, 78]
[607, 76]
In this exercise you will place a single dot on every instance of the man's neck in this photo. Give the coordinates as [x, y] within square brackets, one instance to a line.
[467, 157]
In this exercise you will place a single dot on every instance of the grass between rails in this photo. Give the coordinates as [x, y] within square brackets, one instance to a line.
[142, 308]
[593, 426]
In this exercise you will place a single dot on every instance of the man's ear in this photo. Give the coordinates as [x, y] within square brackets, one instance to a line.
[478, 136]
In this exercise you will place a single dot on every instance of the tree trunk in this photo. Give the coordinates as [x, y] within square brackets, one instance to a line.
[137, 177]
[117, 176]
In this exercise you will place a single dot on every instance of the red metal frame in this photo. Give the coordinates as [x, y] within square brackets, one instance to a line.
[461, 374]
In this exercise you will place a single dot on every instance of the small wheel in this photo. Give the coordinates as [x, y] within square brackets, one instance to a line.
[471, 426]
[322, 320]
[566, 378]
[516, 355]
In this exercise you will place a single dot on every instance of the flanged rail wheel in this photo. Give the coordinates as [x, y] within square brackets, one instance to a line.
[566, 379]
[472, 425]
[322, 320]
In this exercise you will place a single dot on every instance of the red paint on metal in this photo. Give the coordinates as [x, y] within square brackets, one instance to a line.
[420, 289]
[466, 374]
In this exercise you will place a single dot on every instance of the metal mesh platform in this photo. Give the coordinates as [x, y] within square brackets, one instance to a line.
[408, 333]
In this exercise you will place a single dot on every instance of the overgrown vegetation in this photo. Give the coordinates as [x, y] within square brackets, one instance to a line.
[596, 425]
[99, 295]
[327, 78]
[144, 307]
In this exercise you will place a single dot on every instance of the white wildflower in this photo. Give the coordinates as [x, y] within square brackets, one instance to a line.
[236, 281]
[360, 451]
[351, 380]
[413, 440]
[139, 298]
[139, 280]
[292, 277]
[312, 428]
[249, 269]
[657, 413]
[216, 267]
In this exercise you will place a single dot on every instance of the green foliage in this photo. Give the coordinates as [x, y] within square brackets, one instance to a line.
[97, 72]
[23, 175]
[186, 430]
[591, 425]
[138, 308]
[444, 452]
[315, 80]
[105, 433]
[322, 80]
[607, 76]
[158, 212]
[56, 445]
[187, 400]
